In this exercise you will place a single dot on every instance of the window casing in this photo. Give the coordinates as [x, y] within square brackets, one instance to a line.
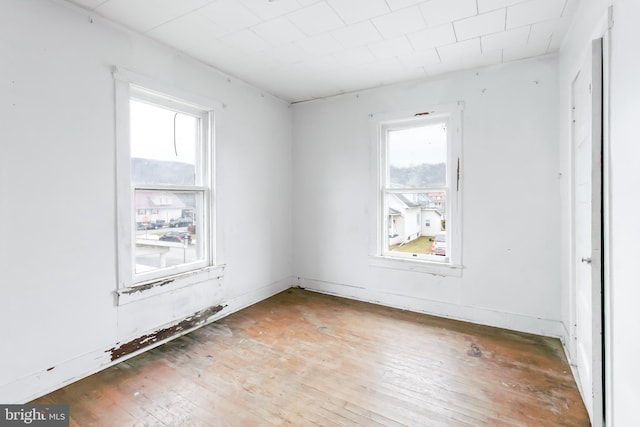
[418, 166]
[165, 185]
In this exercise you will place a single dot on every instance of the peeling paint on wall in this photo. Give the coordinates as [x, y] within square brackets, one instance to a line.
[198, 318]
[141, 288]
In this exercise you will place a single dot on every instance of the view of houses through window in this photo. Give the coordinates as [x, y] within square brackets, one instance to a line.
[415, 189]
[167, 185]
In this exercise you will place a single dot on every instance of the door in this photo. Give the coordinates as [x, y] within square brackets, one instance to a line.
[587, 227]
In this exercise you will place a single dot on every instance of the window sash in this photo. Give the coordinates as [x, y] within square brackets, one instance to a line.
[451, 115]
[385, 225]
[201, 247]
[127, 89]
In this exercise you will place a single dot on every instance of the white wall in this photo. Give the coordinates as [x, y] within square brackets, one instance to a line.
[512, 270]
[624, 226]
[58, 266]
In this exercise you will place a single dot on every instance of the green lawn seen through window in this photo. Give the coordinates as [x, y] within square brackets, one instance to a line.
[421, 245]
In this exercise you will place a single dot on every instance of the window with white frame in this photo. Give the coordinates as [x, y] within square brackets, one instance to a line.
[419, 160]
[165, 185]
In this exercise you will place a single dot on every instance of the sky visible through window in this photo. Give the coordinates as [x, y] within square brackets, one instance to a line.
[152, 133]
[418, 145]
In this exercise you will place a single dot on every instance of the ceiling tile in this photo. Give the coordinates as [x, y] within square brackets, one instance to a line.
[555, 28]
[229, 14]
[289, 53]
[271, 9]
[278, 31]
[298, 49]
[215, 53]
[143, 15]
[352, 11]
[528, 51]
[186, 31]
[570, 8]
[320, 65]
[459, 50]
[382, 70]
[432, 37]
[391, 48]
[480, 25]
[246, 40]
[466, 63]
[320, 45]
[308, 2]
[489, 5]
[401, 4]
[357, 35]
[355, 56]
[400, 22]
[517, 37]
[420, 59]
[533, 11]
[438, 12]
[316, 19]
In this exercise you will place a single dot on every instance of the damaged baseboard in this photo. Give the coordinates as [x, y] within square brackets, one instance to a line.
[59, 375]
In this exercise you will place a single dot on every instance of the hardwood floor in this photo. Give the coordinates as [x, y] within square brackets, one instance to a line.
[302, 358]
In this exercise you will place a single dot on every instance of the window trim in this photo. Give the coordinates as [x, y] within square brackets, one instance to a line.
[380, 123]
[130, 85]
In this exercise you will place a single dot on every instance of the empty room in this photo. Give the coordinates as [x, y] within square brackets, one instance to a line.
[319, 212]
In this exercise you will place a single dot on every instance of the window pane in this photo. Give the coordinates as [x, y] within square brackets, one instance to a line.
[416, 222]
[170, 236]
[418, 156]
[163, 145]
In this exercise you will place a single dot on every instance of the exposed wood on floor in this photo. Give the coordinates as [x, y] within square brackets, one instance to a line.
[302, 358]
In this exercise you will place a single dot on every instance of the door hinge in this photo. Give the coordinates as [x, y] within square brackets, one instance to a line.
[458, 176]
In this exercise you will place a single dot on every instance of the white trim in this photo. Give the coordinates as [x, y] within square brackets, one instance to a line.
[130, 85]
[151, 288]
[451, 114]
[160, 89]
[421, 266]
[606, 229]
[124, 226]
[478, 315]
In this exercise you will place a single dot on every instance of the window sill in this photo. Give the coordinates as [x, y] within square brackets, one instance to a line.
[168, 284]
[420, 266]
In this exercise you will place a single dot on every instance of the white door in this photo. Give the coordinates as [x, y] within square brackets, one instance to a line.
[587, 221]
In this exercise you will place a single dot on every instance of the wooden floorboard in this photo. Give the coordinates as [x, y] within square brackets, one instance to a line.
[302, 358]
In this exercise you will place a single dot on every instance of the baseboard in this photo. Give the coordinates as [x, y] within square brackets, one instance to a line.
[40, 383]
[512, 321]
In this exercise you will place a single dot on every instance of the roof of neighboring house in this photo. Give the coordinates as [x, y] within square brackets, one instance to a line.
[158, 200]
[406, 201]
[393, 212]
[433, 210]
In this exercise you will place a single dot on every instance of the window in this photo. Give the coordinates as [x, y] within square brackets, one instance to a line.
[165, 185]
[419, 176]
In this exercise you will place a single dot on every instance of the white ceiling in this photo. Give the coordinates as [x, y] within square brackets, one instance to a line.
[304, 49]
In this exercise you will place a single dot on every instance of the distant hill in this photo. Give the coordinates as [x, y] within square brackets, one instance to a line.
[149, 171]
[424, 175]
